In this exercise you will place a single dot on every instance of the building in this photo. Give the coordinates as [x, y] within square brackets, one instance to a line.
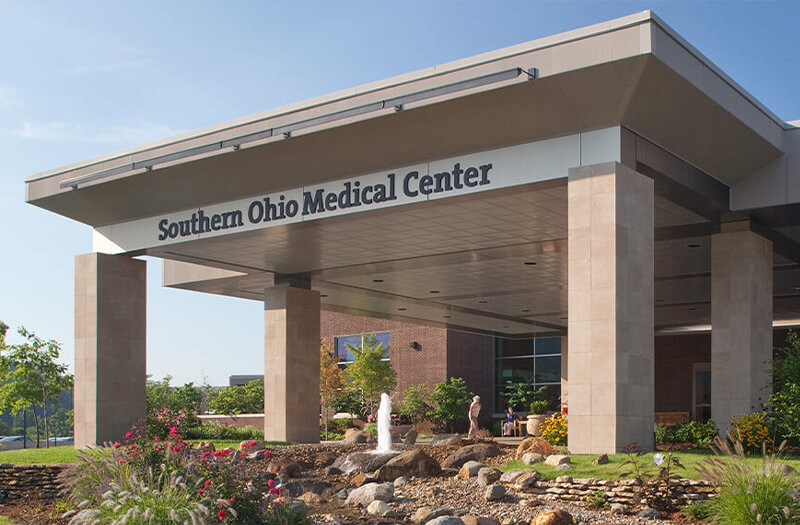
[601, 187]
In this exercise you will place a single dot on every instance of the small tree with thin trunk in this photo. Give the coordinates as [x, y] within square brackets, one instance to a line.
[331, 381]
[32, 376]
[369, 373]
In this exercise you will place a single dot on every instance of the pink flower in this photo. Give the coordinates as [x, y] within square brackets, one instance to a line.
[206, 453]
[121, 461]
[173, 431]
[156, 438]
[271, 483]
[199, 491]
[207, 483]
[253, 443]
[129, 435]
[117, 445]
[230, 502]
[222, 514]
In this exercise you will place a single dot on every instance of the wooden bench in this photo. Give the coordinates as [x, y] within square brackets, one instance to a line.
[672, 419]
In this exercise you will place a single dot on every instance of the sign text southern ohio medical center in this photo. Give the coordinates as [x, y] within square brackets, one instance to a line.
[427, 181]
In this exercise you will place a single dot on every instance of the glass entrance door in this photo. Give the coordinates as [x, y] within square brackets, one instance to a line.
[701, 407]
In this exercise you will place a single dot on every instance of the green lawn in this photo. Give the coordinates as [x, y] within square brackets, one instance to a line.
[55, 455]
[582, 465]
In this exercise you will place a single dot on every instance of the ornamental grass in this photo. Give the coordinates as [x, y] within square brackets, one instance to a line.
[750, 495]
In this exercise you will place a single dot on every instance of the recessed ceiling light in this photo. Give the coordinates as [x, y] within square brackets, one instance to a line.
[377, 280]
[483, 302]
[529, 263]
[796, 289]
[434, 291]
[323, 295]
[402, 309]
[692, 245]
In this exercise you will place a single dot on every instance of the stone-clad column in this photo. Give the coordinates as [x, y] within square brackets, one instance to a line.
[110, 346]
[610, 327]
[291, 364]
[741, 324]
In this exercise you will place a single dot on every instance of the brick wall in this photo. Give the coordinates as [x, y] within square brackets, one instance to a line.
[471, 357]
[428, 365]
[674, 357]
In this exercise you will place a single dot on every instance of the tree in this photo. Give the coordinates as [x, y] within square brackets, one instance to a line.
[160, 394]
[369, 373]
[248, 399]
[32, 376]
[520, 394]
[331, 381]
[3, 330]
[452, 401]
[785, 401]
[416, 403]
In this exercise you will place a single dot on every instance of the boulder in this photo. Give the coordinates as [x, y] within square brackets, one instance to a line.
[311, 498]
[470, 469]
[298, 487]
[494, 492]
[410, 463]
[478, 520]
[533, 444]
[617, 508]
[476, 452]
[553, 517]
[362, 478]
[328, 519]
[529, 458]
[488, 475]
[354, 435]
[563, 466]
[251, 446]
[378, 508]
[556, 459]
[410, 438]
[445, 520]
[400, 482]
[445, 439]
[601, 460]
[511, 475]
[356, 462]
[425, 514]
[298, 505]
[526, 480]
[343, 494]
[324, 458]
[370, 492]
[284, 468]
[650, 514]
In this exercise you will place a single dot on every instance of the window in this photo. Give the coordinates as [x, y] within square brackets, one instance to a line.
[344, 354]
[536, 361]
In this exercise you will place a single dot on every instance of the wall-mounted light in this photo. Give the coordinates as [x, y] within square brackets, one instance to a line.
[415, 345]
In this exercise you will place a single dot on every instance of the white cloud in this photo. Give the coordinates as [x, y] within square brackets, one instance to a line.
[125, 134]
[112, 67]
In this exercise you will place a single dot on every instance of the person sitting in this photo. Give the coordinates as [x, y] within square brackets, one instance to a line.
[511, 422]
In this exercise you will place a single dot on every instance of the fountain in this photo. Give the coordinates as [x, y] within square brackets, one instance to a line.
[384, 422]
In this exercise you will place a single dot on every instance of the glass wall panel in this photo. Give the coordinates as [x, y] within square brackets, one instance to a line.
[547, 346]
[548, 369]
[514, 348]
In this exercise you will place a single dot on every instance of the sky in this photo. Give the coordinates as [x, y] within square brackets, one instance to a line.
[81, 79]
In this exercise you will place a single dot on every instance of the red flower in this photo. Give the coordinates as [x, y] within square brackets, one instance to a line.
[176, 448]
[117, 445]
[206, 453]
[156, 438]
[253, 443]
[199, 491]
[129, 435]
[222, 514]
[121, 461]
[173, 431]
[271, 483]
[207, 483]
[230, 502]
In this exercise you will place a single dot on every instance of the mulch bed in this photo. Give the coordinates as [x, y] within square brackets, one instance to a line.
[32, 511]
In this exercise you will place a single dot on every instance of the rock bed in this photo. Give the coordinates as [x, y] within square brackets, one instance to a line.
[463, 496]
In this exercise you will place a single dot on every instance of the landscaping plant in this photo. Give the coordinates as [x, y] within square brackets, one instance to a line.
[451, 401]
[752, 431]
[785, 401]
[554, 430]
[657, 488]
[750, 495]
[370, 373]
[416, 404]
[520, 394]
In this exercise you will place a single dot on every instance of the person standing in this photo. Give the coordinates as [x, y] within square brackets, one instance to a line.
[474, 410]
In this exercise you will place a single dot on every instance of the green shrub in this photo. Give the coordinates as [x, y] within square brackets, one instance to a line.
[752, 430]
[597, 499]
[332, 436]
[497, 428]
[749, 495]
[538, 407]
[665, 434]
[694, 432]
[697, 511]
[703, 434]
[227, 432]
[371, 428]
